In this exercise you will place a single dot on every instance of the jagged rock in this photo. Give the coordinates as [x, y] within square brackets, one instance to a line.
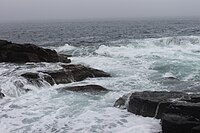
[86, 88]
[69, 73]
[60, 76]
[73, 73]
[22, 53]
[122, 101]
[49, 79]
[81, 72]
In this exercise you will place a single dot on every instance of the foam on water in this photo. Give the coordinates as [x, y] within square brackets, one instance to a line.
[53, 111]
[65, 48]
[135, 65]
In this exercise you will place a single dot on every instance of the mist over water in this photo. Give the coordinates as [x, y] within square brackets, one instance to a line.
[138, 54]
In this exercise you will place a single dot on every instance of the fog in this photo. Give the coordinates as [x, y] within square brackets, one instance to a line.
[40, 10]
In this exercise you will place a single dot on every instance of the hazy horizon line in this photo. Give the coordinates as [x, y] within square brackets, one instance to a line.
[103, 19]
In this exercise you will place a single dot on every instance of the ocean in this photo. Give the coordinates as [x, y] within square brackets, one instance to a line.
[138, 54]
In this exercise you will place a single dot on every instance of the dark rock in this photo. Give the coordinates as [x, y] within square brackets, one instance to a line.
[152, 104]
[171, 78]
[69, 73]
[49, 79]
[30, 75]
[80, 72]
[178, 124]
[86, 88]
[179, 112]
[22, 53]
[73, 73]
[64, 58]
[60, 76]
[185, 109]
[122, 101]
[33, 78]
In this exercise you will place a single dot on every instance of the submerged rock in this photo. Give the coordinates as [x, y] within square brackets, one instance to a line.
[170, 80]
[69, 73]
[86, 88]
[22, 53]
[33, 78]
[179, 112]
[1, 95]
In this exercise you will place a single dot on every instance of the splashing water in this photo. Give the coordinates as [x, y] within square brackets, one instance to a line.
[135, 65]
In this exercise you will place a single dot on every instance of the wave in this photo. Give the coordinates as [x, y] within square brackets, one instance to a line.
[181, 41]
[13, 85]
[64, 48]
[173, 55]
[164, 41]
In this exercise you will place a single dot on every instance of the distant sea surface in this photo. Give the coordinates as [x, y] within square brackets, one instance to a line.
[139, 55]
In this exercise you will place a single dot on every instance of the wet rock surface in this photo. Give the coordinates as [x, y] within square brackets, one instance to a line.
[69, 73]
[33, 78]
[179, 112]
[86, 88]
[146, 103]
[22, 53]
[178, 124]
[122, 102]
[80, 72]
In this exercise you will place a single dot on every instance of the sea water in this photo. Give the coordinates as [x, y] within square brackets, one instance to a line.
[139, 55]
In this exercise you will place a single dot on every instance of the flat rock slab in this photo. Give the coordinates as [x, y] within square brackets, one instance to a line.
[179, 112]
[152, 104]
[22, 53]
[86, 88]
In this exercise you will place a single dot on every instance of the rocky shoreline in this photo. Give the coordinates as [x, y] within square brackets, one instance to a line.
[23, 53]
[69, 73]
[179, 112]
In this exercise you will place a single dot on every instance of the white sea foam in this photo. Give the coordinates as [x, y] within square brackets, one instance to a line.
[135, 65]
[65, 48]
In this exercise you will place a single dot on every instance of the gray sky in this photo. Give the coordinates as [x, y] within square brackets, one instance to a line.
[27, 10]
